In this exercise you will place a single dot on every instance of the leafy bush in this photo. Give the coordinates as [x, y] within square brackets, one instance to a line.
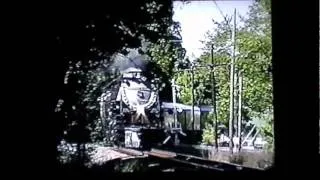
[208, 135]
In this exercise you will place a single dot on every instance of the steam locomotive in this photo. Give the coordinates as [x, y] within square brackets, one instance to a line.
[130, 110]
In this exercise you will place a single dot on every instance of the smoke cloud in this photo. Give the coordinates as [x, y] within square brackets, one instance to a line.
[133, 59]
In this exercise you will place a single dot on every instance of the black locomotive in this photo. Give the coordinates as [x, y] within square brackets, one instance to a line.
[130, 109]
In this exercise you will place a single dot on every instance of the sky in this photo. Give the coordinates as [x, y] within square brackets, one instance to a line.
[196, 19]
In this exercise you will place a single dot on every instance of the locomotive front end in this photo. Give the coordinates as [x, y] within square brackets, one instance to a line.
[130, 108]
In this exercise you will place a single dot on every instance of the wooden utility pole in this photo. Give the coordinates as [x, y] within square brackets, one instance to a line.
[192, 97]
[174, 99]
[239, 110]
[213, 91]
[231, 115]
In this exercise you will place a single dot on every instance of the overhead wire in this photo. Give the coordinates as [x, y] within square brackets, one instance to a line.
[221, 13]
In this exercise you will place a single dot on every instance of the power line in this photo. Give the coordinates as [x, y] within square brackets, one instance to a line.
[220, 11]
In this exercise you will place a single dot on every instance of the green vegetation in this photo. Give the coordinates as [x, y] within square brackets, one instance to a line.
[253, 59]
[88, 76]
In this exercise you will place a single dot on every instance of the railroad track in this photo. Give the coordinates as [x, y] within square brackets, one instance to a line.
[172, 161]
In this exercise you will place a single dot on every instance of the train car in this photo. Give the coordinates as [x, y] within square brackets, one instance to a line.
[192, 129]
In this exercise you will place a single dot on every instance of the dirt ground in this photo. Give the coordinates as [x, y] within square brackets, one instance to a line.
[258, 159]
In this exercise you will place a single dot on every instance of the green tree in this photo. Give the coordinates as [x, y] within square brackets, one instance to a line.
[163, 56]
[253, 58]
[88, 42]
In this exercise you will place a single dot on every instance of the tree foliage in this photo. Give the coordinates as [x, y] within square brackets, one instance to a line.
[164, 54]
[253, 60]
[88, 74]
